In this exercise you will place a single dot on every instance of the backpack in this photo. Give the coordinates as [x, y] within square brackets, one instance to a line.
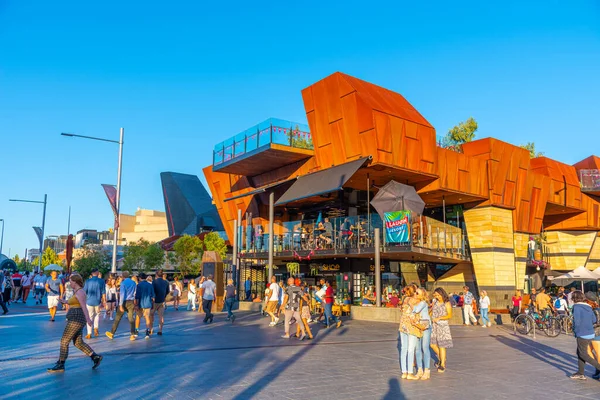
[557, 303]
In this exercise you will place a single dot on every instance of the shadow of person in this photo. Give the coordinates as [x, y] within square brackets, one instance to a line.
[394, 392]
[549, 355]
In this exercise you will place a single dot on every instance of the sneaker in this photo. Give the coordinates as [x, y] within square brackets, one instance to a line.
[276, 320]
[578, 377]
[339, 323]
[109, 335]
[441, 369]
[88, 336]
[58, 367]
[159, 333]
[96, 332]
[147, 335]
[404, 375]
[271, 323]
[132, 337]
[484, 326]
[96, 359]
[285, 337]
[489, 324]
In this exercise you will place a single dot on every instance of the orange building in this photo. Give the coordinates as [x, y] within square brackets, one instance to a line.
[494, 218]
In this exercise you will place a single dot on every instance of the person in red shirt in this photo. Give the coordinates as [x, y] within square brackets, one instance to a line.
[329, 307]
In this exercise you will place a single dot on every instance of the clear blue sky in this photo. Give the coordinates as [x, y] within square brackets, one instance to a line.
[181, 76]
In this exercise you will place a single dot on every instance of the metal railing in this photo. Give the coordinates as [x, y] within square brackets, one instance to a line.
[271, 131]
[353, 233]
[590, 180]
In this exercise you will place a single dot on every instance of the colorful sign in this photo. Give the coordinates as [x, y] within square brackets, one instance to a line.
[397, 226]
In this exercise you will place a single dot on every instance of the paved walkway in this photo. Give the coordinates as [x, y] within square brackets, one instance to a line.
[249, 360]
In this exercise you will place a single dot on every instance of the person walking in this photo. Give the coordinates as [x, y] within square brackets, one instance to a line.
[468, 314]
[144, 302]
[16, 288]
[517, 302]
[229, 299]
[39, 285]
[209, 292]
[55, 290]
[304, 313]
[7, 287]
[126, 303]
[191, 295]
[330, 319]
[177, 292]
[248, 289]
[95, 293]
[111, 298]
[2, 303]
[77, 316]
[161, 291]
[274, 296]
[291, 308]
[441, 338]
[484, 306]
[584, 319]
[26, 282]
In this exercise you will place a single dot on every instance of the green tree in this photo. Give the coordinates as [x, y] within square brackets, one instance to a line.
[92, 256]
[460, 134]
[17, 259]
[49, 257]
[214, 242]
[530, 147]
[154, 257]
[133, 256]
[189, 250]
[25, 265]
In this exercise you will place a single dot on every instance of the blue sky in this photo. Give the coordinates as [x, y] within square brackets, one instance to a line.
[183, 76]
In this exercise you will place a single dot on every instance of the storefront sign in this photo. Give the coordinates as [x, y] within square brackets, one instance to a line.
[397, 226]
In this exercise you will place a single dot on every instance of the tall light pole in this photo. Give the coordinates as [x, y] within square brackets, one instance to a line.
[2, 238]
[118, 199]
[43, 224]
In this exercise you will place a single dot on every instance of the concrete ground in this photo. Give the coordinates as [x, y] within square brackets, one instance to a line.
[249, 360]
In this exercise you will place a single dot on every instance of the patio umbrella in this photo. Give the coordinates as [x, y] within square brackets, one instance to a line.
[396, 196]
[578, 274]
[53, 267]
[319, 218]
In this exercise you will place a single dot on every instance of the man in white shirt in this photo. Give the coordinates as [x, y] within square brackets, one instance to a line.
[273, 301]
[39, 284]
[209, 289]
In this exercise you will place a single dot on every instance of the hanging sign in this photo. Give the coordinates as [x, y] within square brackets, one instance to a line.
[397, 226]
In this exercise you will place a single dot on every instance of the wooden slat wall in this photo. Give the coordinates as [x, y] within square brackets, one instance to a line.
[570, 249]
[490, 228]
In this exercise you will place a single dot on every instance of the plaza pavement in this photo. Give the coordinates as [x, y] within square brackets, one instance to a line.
[249, 360]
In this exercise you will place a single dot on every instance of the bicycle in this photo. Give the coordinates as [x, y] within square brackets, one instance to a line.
[551, 325]
[566, 323]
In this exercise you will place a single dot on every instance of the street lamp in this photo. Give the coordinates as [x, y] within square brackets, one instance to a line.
[2, 238]
[118, 199]
[43, 224]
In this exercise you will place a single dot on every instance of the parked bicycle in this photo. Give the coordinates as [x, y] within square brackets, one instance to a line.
[545, 321]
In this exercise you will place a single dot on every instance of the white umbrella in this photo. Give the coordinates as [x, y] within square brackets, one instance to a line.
[578, 274]
[53, 267]
[596, 272]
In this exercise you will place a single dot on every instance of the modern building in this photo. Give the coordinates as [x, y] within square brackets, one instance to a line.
[494, 218]
[86, 236]
[150, 225]
[190, 209]
[58, 243]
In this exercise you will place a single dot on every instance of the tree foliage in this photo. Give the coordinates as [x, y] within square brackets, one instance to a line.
[49, 257]
[142, 256]
[530, 147]
[92, 256]
[460, 134]
[214, 242]
[17, 259]
[189, 250]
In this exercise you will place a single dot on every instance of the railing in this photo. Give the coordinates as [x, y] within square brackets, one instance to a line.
[354, 233]
[275, 131]
[590, 180]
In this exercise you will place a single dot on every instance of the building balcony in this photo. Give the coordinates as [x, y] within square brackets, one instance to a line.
[430, 240]
[590, 181]
[264, 147]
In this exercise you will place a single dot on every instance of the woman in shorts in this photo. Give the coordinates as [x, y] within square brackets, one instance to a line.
[111, 298]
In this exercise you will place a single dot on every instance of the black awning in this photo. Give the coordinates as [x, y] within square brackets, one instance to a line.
[260, 189]
[321, 182]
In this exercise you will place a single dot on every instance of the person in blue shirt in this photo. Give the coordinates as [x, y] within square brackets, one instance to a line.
[248, 289]
[126, 303]
[144, 301]
[583, 328]
[95, 292]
